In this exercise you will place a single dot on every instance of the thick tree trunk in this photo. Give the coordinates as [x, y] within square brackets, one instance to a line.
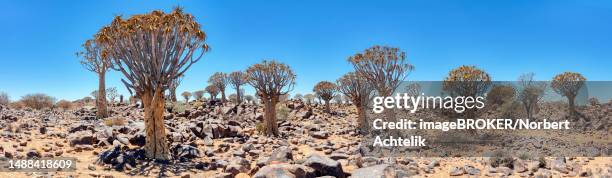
[238, 94]
[101, 98]
[270, 124]
[572, 107]
[156, 146]
[223, 96]
[172, 94]
[362, 124]
[327, 110]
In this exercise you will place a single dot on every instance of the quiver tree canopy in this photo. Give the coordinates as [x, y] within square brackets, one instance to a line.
[467, 81]
[383, 67]
[153, 49]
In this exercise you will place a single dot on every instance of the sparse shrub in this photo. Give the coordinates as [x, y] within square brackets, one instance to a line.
[593, 101]
[197, 104]
[542, 161]
[4, 99]
[500, 94]
[87, 99]
[38, 101]
[510, 109]
[501, 158]
[282, 112]
[233, 98]
[260, 128]
[64, 104]
[115, 121]
[175, 107]
[16, 105]
[524, 156]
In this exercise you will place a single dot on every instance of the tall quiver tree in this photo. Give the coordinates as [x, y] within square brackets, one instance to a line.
[568, 84]
[271, 80]
[213, 91]
[326, 90]
[237, 79]
[95, 60]
[358, 91]
[152, 50]
[172, 89]
[383, 68]
[219, 79]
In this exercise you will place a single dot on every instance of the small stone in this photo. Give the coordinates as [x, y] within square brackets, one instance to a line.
[456, 171]
[586, 173]
[91, 167]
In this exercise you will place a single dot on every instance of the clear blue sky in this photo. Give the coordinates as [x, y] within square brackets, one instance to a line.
[506, 38]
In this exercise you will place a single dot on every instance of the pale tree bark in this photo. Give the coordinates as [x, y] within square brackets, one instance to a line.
[101, 105]
[361, 119]
[96, 61]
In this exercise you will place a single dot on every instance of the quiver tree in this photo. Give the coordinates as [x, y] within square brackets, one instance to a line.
[271, 80]
[383, 68]
[298, 96]
[467, 81]
[172, 89]
[309, 98]
[413, 89]
[531, 93]
[213, 91]
[359, 92]
[249, 98]
[568, 84]
[153, 50]
[219, 80]
[237, 79]
[4, 99]
[326, 91]
[186, 95]
[95, 60]
[198, 95]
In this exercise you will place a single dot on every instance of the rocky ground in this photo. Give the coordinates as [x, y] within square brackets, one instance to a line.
[215, 140]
